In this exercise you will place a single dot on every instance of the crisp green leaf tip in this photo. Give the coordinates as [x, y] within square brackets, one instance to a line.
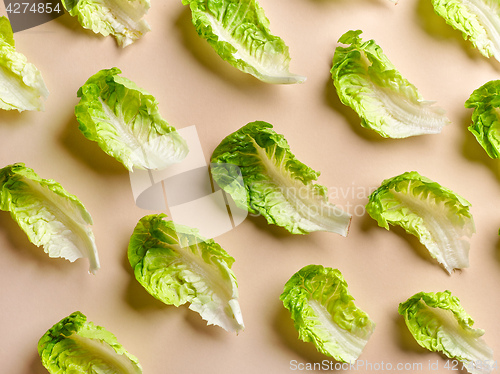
[324, 313]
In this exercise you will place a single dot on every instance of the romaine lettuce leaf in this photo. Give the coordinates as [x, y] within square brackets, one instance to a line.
[21, 83]
[437, 216]
[177, 266]
[48, 214]
[121, 18]
[438, 323]
[324, 313]
[124, 120]
[478, 20]
[76, 346]
[275, 183]
[372, 86]
[238, 31]
[486, 117]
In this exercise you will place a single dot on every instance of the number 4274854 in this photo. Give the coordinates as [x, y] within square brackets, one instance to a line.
[478, 365]
[23, 8]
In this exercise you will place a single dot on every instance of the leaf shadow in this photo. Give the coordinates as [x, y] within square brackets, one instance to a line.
[284, 236]
[200, 325]
[26, 250]
[404, 338]
[275, 231]
[139, 299]
[285, 329]
[412, 241]
[136, 295]
[36, 366]
[15, 118]
[201, 50]
[473, 151]
[418, 248]
[351, 117]
[89, 152]
[375, 2]
[435, 26]
[497, 249]
[408, 343]
[71, 24]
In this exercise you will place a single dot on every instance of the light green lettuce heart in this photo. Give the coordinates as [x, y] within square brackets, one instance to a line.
[438, 323]
[126, 123]
[437, 216]
[256, 167]
[371, 85]
[238, 31]
[177, 266]
[48, 214]
[76, 346]
[121, 18]
[324, 313]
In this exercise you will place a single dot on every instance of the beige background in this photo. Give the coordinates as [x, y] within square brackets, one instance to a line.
[195, 87]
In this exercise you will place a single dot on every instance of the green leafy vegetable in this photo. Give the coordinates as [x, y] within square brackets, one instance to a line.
[121, 18]
[325, 314]
[486, 118]
[238, 31]
[275, 183]
[76, 346]
[48, 214]
[21, 84]
[478, 20]
[124, 120]
[438, 323]
[437, 216]
[372, 86]
[177, 266]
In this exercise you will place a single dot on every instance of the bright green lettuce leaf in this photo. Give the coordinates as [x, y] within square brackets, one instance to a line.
[238, 31]
[478, 20]
[121, 18]
[437, 216]
[275, 183]
[486, 117]
[76, 346]
[21, 83]
[371, 85]
[324, 313]
[438, 322]
[177, 266]
[125, 121]
[48, 214]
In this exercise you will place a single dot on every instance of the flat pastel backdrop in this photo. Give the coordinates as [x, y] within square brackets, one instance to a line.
[195, 87]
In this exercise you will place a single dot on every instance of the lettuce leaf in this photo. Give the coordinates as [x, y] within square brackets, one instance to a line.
[121, 18]
[21, 83]
[125, 121]
[438, 323]
[238, 31]
[76, 346]
[485, 117]
[437, 216]
[324, 313]
[478, 20]
[371, 85]
[177, 266]
[275, 183]
[48, 214]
